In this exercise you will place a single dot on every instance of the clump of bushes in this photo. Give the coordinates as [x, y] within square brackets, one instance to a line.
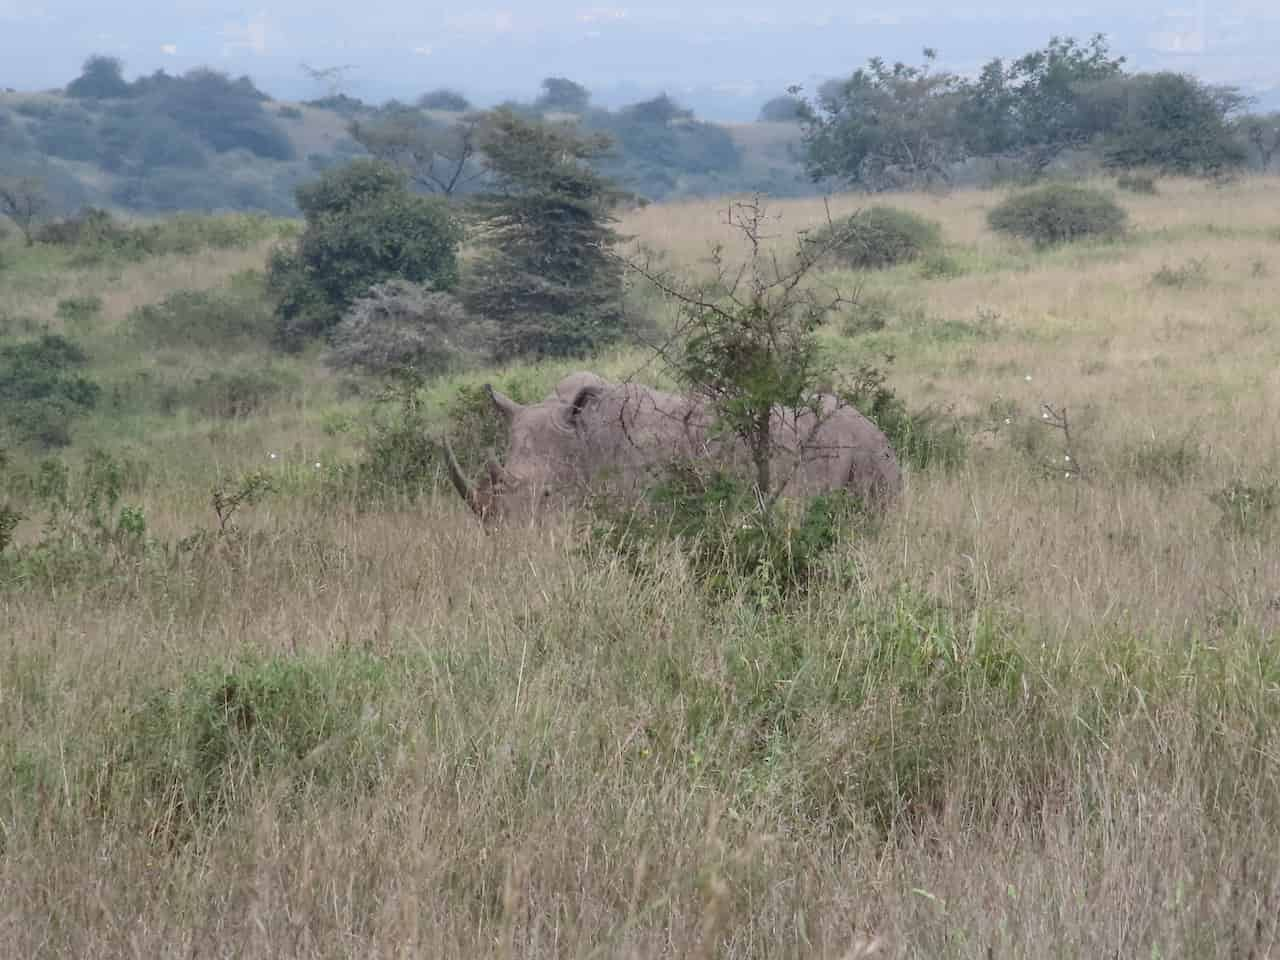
[94, 234]
[41, 390]
[78, 311]
[714, 520]
[877, 237]
[400, 324]
[363, 226]
[194, 752]
[1059, 213]
[228, 320]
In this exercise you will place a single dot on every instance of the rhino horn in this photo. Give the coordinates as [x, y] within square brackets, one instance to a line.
[505, 404]
[460, 483]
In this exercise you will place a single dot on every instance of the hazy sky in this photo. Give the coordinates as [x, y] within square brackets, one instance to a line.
[722, 58]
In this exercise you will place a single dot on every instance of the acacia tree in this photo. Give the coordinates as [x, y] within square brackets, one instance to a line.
[885, 126]
[747, 341]
[440, 158]
[24, 200]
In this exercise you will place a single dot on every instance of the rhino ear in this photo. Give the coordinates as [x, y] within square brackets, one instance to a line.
[582, 399]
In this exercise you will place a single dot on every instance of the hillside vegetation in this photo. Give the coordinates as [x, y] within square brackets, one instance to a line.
[264, 681]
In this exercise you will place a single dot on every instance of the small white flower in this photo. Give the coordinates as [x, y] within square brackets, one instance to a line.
[1067, 476]
[273, 456]
[1066, 458]
[1008, 420]
[1044, 416]
[1027, 378]
[318, 463]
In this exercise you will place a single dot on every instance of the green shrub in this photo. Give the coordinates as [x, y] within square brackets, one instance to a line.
[877, 237]
[96, 235]
[363, 226]
[199, 750]
[227, 320]
[78, 311]
[715, 520]
[1059, 213]
[40, 392]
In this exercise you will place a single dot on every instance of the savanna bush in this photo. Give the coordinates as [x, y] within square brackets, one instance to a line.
[400, 324]
[877, 237]
[1059, 213]
[79, 311]
[42, 391]
[714, 519]
[196, 751]
[229, 319]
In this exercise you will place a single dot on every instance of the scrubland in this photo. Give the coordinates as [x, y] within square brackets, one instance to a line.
[1034, 711]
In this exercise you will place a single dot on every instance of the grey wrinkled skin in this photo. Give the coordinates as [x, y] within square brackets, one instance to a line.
[590, 435]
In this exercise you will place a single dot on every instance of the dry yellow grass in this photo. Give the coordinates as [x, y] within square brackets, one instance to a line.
[1072, 684]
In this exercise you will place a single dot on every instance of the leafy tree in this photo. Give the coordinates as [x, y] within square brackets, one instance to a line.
[1263, 134]
[543, 273]
[661, 111]
[24, 200]
[1035, 107]
[658, 140]
[784, 109]
[1174, 123]
[444, 99]
[101, 78]
[886, 126]
[226, 114]
[443, 159]
[363, 226]
[562, 95]
[69, 134]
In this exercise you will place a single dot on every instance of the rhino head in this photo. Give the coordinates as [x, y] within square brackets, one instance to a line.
[543, 464]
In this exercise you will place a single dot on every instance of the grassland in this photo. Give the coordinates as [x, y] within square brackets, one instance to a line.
[1035, 712]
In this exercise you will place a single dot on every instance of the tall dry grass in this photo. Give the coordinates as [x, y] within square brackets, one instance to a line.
[1031, 716]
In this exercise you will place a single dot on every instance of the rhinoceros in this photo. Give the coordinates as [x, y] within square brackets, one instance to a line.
[589, 435]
